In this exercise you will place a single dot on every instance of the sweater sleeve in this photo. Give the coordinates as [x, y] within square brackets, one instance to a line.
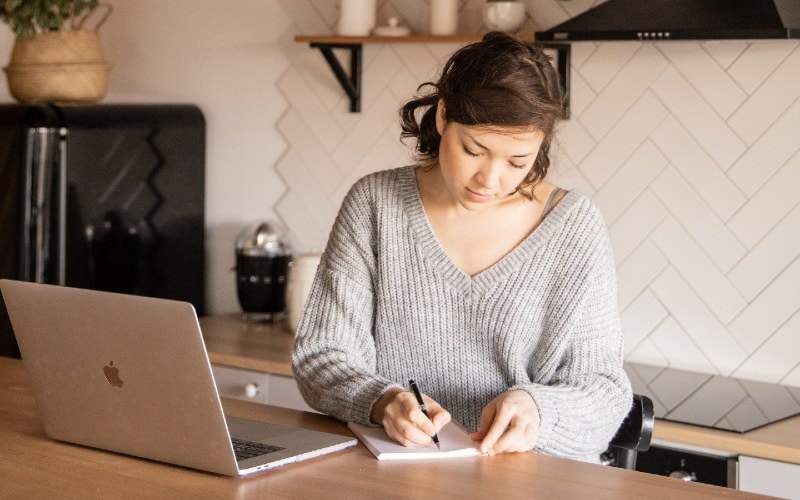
[583, 403]
[334, 356]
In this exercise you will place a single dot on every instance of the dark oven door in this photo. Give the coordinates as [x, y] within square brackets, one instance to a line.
[688, 465]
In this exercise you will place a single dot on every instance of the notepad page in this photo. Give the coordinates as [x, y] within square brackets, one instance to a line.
[454, 442]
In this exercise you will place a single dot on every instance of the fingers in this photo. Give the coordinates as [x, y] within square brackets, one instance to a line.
[405, 422]
[439, 416]
[510, 423]
[519, 436]
[487, 417]
[492, 434]
[407, 434]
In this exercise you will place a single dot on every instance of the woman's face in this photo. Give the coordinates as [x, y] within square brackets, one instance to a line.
[481, 166]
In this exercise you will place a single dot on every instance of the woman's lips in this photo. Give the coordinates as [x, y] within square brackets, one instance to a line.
[477, 197]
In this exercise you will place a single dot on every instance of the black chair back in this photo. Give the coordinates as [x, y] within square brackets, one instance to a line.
[634, 435]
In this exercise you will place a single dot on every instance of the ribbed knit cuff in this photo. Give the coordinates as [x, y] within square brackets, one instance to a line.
[370, 395]
[548, 412]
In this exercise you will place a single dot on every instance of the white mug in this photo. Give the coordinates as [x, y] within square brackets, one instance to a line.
[443, 17]
[505, 16]
[356, 17]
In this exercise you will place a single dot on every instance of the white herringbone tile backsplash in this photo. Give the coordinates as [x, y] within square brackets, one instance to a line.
[690, 149]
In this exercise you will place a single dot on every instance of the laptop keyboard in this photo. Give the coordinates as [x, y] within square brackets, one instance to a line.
[249, 449]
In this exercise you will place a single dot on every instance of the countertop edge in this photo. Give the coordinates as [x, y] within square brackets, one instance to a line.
[260, 365]
[759, 443]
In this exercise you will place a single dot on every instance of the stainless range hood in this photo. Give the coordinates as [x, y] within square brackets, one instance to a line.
[681, 20]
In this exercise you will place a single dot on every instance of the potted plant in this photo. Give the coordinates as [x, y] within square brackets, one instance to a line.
[55, 57]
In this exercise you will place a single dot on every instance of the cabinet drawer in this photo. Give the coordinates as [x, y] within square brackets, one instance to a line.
[768, 477]
[241, 384]
[283, 391]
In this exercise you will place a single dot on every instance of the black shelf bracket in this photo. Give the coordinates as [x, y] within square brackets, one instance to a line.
[350, 83]
[563, 53]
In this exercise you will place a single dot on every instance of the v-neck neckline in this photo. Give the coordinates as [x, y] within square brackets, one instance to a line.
[482, 282]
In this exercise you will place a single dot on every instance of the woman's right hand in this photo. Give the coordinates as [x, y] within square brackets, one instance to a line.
[400, 415]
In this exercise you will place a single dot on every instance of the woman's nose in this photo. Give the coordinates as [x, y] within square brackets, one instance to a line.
[489, 174]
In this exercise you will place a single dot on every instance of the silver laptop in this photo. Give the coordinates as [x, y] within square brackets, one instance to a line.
[131, 374]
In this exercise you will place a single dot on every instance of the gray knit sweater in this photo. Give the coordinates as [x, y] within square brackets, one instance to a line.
[388, 305]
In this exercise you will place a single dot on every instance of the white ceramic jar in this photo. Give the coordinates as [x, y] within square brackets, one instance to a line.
[300, 277]
[356, 17]
[506, 15]
[443, 17]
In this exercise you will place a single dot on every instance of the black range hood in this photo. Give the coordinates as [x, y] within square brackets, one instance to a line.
[681, 20]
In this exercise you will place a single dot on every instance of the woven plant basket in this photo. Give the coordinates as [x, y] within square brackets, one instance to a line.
[58, 82]
[62, 66]
[68, 46]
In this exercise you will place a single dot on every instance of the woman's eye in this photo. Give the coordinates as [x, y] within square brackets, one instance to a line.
[518, 166]
[469, 152]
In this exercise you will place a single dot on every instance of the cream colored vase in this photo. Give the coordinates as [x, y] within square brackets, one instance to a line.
[298, 285]
[63, 66]
[356, 17]
[506, 16]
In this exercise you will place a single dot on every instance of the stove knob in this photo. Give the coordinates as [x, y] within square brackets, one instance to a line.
[683, 475]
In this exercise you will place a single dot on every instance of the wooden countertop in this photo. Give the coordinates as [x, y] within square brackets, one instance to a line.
[779, 441]
[268, 348]
[33, 466]
[264, 347]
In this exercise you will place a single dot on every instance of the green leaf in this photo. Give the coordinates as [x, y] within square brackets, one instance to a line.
[28, 17]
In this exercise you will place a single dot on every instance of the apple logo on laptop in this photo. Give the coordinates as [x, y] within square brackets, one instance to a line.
[112, 374]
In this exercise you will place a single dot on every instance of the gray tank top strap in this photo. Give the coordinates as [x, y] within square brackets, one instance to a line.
[551, 201]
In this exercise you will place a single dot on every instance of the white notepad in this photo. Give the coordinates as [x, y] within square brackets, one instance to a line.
[454, 441]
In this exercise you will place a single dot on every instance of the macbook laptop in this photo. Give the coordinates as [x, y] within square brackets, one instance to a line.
[131, 374]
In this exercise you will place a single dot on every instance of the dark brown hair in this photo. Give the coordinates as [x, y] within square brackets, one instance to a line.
[500, 81]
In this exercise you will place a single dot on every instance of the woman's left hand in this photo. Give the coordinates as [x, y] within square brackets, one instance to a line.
[509, 423]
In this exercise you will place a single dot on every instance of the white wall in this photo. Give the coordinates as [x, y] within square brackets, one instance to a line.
[689, 149]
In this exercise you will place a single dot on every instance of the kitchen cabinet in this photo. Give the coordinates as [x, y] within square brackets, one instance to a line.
[769, 477]
[284, 392]
[246, 385]
[258, 387]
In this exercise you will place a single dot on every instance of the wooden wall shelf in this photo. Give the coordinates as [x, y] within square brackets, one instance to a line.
[351, 82]
[336, 39]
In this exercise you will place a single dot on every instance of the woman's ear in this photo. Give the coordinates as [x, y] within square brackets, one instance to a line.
[440, 118]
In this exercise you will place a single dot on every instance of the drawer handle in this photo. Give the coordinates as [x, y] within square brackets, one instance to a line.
[251, 390]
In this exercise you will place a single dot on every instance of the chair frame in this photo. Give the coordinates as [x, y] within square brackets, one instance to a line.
[634, 434]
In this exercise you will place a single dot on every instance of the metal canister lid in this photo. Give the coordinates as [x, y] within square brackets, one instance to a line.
[261, 239]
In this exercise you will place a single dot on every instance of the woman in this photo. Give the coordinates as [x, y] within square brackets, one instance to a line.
[471, 274]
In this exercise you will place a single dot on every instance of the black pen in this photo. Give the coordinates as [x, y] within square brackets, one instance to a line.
[424, 409]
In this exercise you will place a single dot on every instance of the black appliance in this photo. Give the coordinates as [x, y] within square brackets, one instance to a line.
[681, 20]
[262, 266]
[107, 197]
[689, 465]
[715, 401]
